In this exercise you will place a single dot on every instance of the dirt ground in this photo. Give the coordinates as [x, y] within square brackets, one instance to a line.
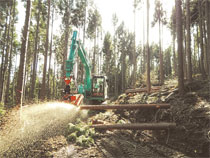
[45, 137]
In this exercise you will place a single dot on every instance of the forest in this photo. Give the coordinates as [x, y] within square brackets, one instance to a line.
[34, 63]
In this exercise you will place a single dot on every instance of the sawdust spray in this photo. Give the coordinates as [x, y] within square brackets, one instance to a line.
[36, 122]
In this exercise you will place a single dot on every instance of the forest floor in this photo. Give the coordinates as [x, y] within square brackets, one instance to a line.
[39, 130]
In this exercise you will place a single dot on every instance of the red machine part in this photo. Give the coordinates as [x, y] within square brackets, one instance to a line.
[67, 81]
[73, 99]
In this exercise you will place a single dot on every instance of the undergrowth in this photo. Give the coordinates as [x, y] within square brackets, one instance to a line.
[81, 134]
[2, 111]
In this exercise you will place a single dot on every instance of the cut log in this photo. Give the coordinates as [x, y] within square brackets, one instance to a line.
[138, 90]
[136, 126]
[126, 106]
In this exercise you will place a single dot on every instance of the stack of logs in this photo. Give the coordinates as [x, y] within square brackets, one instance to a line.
[132, 126]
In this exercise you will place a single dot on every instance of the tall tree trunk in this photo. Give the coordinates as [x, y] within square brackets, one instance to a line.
[20, 79]
[67, 31]
[143, 46]
[33, 78]
[51, 42]
[198, 45]
[115, 63]
[208, 32]
[84, 25]
[5, 67]
[3, 44]
[195, 54]
[123, 70]
[94, 53]
[148, 51]
[201, 39]
[14, 78]
[134, 52]
[54, 84]
[10, 57]
[134, 67]
[205, 48]
[185, 50]
[180, 46]
[161, 57]
[174, 49]
[189, 63]
[205, 24]
[43, 89]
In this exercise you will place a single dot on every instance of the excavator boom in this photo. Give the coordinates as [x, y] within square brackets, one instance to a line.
[89, 89]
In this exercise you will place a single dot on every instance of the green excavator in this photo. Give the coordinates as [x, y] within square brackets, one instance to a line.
[95, 87]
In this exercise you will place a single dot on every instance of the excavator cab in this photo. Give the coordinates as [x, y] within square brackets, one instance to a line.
[99, 88]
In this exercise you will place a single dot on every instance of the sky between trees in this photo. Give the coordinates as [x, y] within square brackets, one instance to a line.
[124, 11]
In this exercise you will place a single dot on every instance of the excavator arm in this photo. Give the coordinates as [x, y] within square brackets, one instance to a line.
[76, 47]
[70, 61]
[83, 56]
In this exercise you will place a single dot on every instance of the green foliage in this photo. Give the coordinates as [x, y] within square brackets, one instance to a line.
[114, 19]
[2, 111]
[167, 61]
[136, 3]
[159, 14]
[78, 13]
[94, 22]
[107, 52]
[121, 121]
[81, 134]
[154, 77]
[172, 22]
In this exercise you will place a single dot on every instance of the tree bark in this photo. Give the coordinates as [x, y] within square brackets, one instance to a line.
[33, 78]
[205, 48]
[161, 57]
[54, 84]
[10, 57]
[179, 30]
[148, 51]
[5, 68]
[20, 80]
[184, 47]
[51, 42]
[115, 58]
[84, 25]
[126, 106]
[67, 31]
[195, 53]
[201, 39]
[189, 63]
[143, 46]
[94, 53]
[134, 52]
[135, 126]
[43, 88]
[3, 43]
[208, 32]
[123, 70]
[174, 49]
[198, 45]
